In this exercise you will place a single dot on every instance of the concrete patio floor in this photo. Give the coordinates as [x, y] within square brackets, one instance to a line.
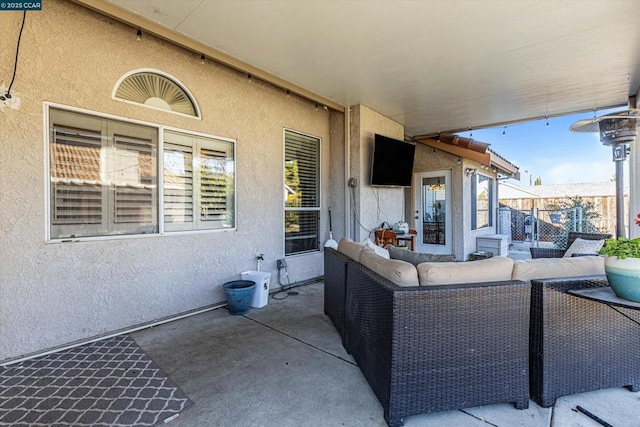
[284, 365]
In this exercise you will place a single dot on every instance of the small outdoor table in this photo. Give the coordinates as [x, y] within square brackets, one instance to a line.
[604, 295]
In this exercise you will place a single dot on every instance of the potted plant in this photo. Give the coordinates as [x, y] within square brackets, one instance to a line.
[622, 266]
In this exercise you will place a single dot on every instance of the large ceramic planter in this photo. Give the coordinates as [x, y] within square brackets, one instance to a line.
[624, 276]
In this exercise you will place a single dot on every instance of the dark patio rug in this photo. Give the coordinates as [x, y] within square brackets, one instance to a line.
[107, 383]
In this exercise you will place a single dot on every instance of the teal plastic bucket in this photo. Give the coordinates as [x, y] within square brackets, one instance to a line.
[239, 294]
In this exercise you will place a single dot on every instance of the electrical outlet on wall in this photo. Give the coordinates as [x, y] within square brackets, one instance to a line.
[8, 100]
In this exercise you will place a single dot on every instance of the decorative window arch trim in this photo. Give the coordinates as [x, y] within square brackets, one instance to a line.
[180, 90]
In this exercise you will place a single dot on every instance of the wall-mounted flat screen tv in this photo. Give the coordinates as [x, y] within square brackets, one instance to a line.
[392, 162]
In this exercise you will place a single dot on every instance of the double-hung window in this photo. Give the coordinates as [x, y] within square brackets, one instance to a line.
[105, 178]
[481, 201]
[302, 193]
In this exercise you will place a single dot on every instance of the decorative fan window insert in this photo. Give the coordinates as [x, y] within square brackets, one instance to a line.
[158, 91]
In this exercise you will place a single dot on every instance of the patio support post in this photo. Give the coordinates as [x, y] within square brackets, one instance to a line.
[634, 179]
[347, 172]
[634, 190]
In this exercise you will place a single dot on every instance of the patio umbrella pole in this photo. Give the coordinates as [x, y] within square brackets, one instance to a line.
[620, 230]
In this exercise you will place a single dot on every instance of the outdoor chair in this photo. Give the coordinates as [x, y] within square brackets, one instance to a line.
[385, 237]
[559, 253]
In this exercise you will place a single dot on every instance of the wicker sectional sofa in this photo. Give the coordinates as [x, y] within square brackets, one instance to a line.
[443, 336]
[431, 348]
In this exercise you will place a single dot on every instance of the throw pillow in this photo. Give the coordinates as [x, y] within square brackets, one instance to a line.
[377, 249]
[582, 246]
[416, 258]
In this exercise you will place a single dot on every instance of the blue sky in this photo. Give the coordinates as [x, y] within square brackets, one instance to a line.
[553, 153]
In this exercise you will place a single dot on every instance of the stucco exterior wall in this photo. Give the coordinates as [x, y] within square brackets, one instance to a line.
[470, 241]
[373, 204]
[464, 238]
[56, 293]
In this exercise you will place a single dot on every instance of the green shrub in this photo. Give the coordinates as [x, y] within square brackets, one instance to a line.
[622, 248]
[590, 216]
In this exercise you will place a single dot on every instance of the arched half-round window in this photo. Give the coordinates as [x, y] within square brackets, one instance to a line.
[155, 89]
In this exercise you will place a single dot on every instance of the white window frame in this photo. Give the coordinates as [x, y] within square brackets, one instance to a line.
[317, 208]
[196, 144]
[117, 177]
[160, 176]
[474, 201]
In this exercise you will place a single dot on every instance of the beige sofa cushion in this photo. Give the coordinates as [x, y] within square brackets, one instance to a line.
[446, 273]
[350, 248]
[399, 272]
[545, 268]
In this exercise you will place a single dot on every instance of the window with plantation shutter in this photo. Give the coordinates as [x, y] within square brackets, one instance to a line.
[178, 185]
[104, 178]
[198, 182]
[214, 184]
[75, 177]
[302, 192]
[135, 181]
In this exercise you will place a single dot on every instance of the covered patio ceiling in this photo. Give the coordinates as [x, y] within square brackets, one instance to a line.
[433, 66]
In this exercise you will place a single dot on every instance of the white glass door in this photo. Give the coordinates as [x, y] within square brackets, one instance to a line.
[433, 212]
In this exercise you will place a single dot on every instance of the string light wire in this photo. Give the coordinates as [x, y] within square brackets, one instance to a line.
[15, 65]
